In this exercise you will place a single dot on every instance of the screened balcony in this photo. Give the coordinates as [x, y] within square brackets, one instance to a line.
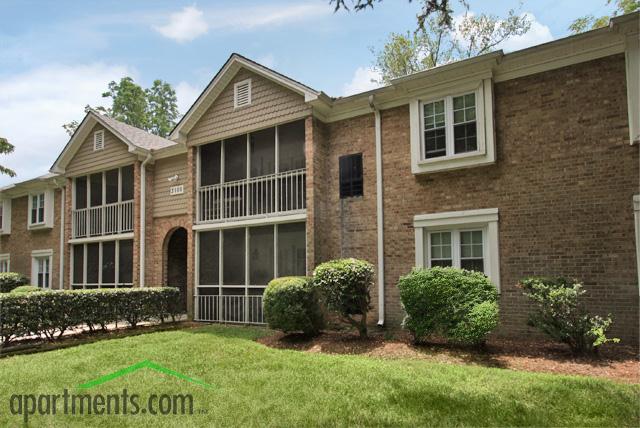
[103, 204]
[261, 174]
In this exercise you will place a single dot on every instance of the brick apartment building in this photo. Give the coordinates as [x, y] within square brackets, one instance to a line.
[513, 164]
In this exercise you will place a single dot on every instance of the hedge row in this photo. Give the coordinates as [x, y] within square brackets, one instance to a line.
[11, 280]
[51, 313]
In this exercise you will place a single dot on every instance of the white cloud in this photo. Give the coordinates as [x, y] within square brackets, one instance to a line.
[35, 104]
[185, 25]
[191, 22]
[363, 80]
[186, 94]
[267, 60]
[537, 34]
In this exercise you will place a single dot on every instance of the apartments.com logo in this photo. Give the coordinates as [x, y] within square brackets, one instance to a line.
[123, 403]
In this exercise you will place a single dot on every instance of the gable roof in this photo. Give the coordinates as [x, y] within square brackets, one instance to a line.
[138, 141]
[223, 77]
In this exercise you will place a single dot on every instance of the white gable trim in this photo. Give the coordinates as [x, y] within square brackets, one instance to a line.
[220, 81]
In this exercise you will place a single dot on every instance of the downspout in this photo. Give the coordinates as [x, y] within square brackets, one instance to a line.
[379, 211]
[143, 215]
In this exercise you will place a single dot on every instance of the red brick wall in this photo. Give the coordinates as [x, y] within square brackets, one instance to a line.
[563, 183]
[21, 242]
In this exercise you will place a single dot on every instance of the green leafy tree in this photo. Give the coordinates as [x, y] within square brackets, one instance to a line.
[154, 109]
[162, 108]
[436, 44]
[590, 22]
[6, 148]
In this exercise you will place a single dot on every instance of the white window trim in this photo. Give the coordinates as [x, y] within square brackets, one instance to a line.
[485, 154]
[95, 139]
[235, 93]
[38, 254]
[5, 225]
[483, 219]
[6, 258]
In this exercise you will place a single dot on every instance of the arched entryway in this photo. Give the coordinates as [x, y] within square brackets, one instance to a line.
[176, 263]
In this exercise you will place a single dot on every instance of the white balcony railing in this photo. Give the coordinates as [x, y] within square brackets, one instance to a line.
[267, 195]
[239, 309]
[109, 219]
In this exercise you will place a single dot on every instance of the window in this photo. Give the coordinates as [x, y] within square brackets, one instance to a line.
[461, 239]
[41, 268]
[242, 93]
[98, 140]
[453, 130]
[40, 210]
[5, 263]
[105, 264]
[351, 183]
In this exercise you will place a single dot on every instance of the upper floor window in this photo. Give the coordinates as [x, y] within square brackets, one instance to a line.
[351, 182]
[455, 130]
[104, 188]
[98, 140]
[242, 93]
[40, 209]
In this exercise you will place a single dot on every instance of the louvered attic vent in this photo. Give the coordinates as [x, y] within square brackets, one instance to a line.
[98, 140]
[242, 93]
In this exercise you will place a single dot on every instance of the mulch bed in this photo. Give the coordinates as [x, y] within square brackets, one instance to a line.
[614, 362]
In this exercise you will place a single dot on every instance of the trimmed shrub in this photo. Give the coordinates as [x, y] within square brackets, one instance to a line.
[11, 280]
[560, 314]
[26, 289]
[460, 305]
[51, 313]
[291, 304]
[345, 286]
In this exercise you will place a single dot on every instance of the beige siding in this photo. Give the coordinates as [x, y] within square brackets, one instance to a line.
[270, 104]
[163, 203]
[115, 153]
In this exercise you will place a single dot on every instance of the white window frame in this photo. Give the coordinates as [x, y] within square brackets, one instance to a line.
[456, 222]
[5, 222]
[485, 153]
[97, 147]
[47, 220]
[235, 93]
[36, 256]
[5, 259]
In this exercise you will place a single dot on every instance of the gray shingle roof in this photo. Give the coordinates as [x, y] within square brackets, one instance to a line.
[137, 136]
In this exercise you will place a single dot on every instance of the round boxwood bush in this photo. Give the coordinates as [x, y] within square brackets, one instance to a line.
[11, 280]
[291, 304]
[345, 285]
[26, 289]
[458, 304]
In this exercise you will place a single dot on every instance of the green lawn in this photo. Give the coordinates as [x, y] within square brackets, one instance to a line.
[255, 386]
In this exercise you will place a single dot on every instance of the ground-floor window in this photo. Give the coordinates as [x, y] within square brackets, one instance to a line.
[102, 264]
[461, 239]
[41, 262]
[5, 263]
[234, 266]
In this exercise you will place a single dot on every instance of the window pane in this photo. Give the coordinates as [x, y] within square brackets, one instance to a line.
[465, 139]
[471, 250]
[78, 264]
[263, 152]
[351, 175]
[95, 182]
[291, 249]
[291, 146]
[109, 262]
[261, 255]
[210, 164]
[125, 262]
[440, 250]
[209, 263]
[126, 174]
[111, 183]
[81, 192]
[93, 262]
[235, 158]
[472, 264]
[435, 142]
[233, 256]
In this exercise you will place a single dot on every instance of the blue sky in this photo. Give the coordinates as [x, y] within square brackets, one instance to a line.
[58, 56]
